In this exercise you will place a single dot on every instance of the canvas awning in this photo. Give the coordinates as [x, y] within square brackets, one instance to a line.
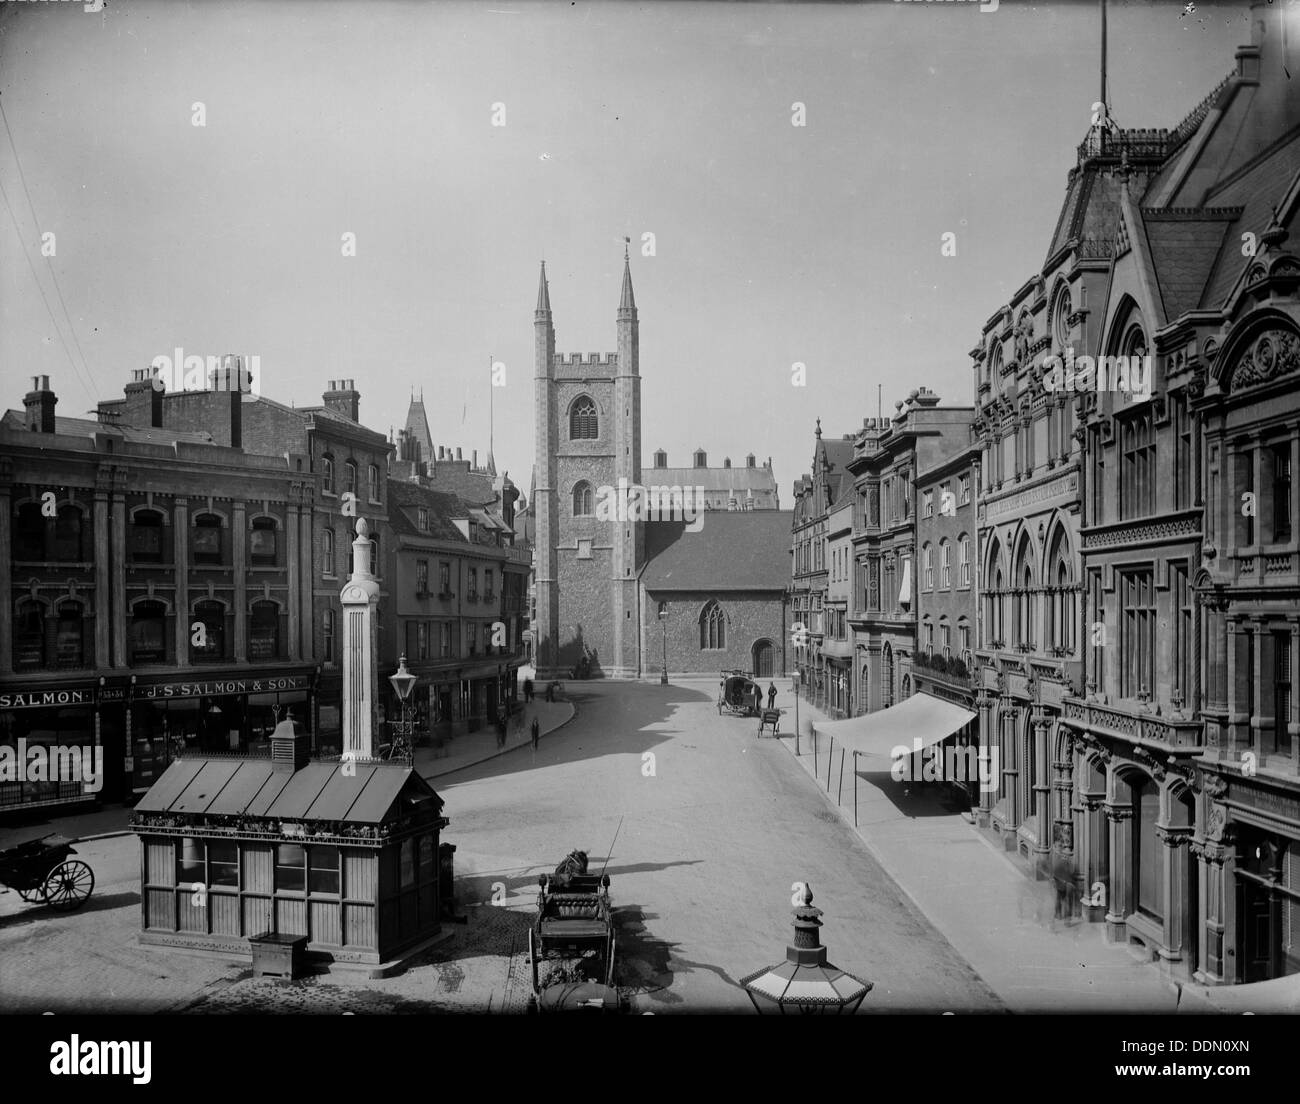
[905, 590]
[920, 717]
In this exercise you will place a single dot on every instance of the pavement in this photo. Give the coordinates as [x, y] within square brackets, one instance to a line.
[470, 749]
[996, 916]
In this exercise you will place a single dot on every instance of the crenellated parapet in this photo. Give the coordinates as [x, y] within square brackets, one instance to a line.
[585, 360]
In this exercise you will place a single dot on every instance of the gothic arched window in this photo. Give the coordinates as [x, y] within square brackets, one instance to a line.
[583, 424]
[582, 505]
[713, 627]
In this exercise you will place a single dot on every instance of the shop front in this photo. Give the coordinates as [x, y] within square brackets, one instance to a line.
[164, 718]
[50, 747]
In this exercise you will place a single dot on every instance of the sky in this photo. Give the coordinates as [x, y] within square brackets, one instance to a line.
[774, 244]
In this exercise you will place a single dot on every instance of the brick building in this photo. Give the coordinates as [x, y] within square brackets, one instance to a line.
[159, 587]
[947, 592]
[814, 495]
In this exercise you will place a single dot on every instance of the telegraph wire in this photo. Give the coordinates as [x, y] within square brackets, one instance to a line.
[88, 377]
[39, 287]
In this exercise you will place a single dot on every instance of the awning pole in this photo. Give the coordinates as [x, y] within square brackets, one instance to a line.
[855, 788]
[839, 790]
[830, 755]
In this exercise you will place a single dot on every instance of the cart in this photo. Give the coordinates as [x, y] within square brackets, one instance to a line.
[738, 696]
[571, 945]
[770, 718]
[41, 872]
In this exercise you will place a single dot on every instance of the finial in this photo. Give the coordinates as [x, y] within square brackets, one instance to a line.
[1275, 233]
[363, 528]
[819, 428]
[626, 242]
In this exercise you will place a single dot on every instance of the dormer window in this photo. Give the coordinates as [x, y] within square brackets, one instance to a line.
[422, 519]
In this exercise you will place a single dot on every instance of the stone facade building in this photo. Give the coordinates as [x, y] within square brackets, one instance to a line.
[588, 439]
[715, 600]
[887, 454]
[752, 487]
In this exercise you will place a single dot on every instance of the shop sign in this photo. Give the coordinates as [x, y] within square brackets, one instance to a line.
[217, 687]
[37, 699]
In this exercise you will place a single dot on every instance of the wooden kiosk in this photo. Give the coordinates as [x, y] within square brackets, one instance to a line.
[344, 853]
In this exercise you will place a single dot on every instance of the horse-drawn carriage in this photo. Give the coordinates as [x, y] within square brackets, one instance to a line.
[41, 871]
[740, 695]
[571, 945]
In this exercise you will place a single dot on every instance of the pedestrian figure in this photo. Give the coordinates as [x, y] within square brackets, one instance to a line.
[537, 733]
[528, 689]
[771, 695]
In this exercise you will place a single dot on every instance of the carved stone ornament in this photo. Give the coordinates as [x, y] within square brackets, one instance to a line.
[1274, 353]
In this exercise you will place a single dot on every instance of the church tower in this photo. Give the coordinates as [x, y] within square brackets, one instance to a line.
[589, 546]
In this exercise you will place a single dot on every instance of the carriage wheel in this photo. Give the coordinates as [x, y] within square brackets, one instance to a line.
[36, 893]
[69, 885]
[609, 968]
[532, 958]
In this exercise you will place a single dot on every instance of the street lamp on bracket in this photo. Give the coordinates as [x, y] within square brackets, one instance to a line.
[403, 682]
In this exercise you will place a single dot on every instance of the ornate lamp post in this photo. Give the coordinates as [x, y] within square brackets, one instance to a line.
[403, 683]
[805, 982]
[663, 624]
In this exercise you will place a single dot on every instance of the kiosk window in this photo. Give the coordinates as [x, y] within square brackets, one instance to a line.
[324, 870]
[290, 866]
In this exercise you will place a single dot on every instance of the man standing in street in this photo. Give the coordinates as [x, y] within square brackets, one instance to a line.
[537, 732]
[771, 695]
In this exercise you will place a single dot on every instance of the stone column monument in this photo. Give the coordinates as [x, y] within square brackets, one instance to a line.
[360, 596]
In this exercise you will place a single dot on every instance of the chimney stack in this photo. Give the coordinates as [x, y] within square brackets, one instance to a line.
[343, 398]
[39, 402]
[141, 392]
[458, 452]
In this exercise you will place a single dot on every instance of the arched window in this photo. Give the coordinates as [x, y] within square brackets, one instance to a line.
[264, 631]
[1061, 577]
[147, 533]
[375, 562]
[328, 565]
[907, 688]
[582, 505]
[927, 567]
[372, 482]
[207, 540]
[148, 635]
[583, 423]
[67, 535]
[70, 636]
[29, 534]
[994, 598]
[29, 636]
[212, 617]
[963, 560]
[713, 627]
[327, 474]
[886, 676]
[945, 565]
[262, 542]
[350, 478]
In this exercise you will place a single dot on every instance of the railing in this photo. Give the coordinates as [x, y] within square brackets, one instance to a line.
[1135, 724]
